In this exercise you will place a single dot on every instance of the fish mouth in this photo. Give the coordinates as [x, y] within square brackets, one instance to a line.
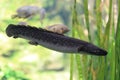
[11, 32]
[8, 31]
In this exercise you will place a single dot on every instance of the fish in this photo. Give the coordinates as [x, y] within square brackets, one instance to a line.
[53, 41]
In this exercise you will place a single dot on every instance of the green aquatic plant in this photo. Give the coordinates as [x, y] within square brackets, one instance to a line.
[92, 67]
[7, 73]
[117, 47]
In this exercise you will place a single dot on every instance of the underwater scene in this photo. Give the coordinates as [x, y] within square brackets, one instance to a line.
[59, 40]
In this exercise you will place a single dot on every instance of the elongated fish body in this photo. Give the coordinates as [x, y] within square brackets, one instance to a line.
[53, 40]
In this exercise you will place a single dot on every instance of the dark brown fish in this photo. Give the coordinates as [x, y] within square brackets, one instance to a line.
[53, 40]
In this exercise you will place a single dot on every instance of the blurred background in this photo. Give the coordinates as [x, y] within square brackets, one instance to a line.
[95, 21]
[22, 61]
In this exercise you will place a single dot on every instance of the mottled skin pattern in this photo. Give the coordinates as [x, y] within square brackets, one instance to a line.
[53, 40]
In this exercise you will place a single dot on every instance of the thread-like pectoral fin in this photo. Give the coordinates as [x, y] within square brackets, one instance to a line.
[33, 43]
[15, 36]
